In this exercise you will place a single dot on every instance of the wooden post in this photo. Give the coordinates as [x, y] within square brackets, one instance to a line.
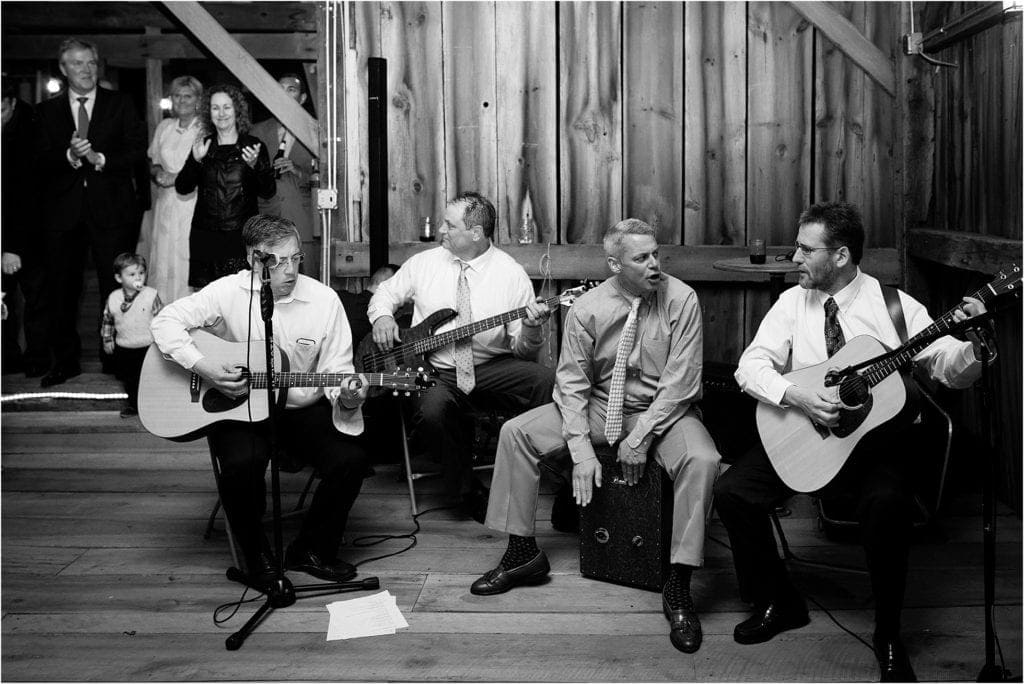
[154, 88]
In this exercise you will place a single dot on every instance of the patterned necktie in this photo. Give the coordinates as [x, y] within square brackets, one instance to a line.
[617, 389]
[834, 338]
[465, 378]
[83, 118]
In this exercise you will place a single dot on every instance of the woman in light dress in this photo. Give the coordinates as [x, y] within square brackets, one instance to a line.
[172, 212]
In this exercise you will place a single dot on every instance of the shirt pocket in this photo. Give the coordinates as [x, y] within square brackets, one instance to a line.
[654, 351]
[304, 354]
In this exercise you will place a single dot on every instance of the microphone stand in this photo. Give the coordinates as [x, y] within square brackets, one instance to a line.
[283, 593]
[990, 671]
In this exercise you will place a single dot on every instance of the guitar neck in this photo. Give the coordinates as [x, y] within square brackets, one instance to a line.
[429, 344]
[258, 380]
[877, 372]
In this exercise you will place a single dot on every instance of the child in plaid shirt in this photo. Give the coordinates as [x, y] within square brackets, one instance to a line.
[126, 320]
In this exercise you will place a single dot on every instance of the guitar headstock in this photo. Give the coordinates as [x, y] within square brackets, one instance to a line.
[1007, 280]
[408, 381]
[569, 296]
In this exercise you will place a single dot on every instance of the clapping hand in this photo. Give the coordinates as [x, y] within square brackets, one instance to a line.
[200, 147]
[250, 154]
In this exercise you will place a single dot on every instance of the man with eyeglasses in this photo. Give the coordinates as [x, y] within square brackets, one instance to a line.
[319, 426]
[835, 302]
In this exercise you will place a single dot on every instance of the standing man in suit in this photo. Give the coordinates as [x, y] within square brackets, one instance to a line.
[90, 143]
[22, 262]
[292, 171]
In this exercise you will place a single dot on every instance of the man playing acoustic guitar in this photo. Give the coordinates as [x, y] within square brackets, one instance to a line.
[319, 426]
[835, 303]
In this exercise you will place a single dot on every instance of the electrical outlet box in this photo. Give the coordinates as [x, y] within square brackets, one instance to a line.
[913, 43]
[326, 199]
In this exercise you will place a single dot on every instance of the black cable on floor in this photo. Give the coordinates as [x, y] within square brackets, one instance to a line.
[374, 539]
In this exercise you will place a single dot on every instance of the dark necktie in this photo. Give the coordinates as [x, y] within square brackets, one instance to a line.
[834, 338]
[83, 118]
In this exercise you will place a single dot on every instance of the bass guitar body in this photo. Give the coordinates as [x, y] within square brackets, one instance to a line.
[807, 456]
[370, 359]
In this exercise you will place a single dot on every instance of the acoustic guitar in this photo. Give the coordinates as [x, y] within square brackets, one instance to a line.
[419, 340]
[179, 404]
[869, 381]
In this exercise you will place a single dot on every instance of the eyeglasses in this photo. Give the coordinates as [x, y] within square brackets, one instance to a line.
[276, 263]
[808, 251]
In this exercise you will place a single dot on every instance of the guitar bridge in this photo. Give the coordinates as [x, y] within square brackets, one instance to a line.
[195, 385]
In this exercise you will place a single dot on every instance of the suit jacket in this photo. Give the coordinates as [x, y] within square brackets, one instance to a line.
[20, 182]
[108, 195]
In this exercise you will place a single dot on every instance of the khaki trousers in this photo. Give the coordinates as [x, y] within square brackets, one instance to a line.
[685, 451]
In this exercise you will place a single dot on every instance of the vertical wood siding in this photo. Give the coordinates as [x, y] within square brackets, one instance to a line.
[714, 121]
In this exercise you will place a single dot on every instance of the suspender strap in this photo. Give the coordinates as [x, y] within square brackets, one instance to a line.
[892, 302]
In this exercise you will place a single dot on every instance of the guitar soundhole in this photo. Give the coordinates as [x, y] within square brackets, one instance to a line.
[216, 402]
[853, 391]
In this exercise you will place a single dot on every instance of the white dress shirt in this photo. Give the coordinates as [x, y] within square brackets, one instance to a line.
[497, 284]
[310, 327]
[796, 324]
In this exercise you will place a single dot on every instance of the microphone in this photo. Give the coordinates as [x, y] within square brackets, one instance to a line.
[262, 257]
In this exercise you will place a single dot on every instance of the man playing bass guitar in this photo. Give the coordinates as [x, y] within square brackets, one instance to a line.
[834, 303]
[494, 368]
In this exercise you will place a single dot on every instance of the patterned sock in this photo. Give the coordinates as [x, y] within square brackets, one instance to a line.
[520, 550]
[677, 589]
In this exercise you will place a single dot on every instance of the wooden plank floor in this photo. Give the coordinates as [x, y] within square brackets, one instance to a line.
[106, 576]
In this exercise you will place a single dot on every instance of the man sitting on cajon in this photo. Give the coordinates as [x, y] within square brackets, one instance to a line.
[629, 372]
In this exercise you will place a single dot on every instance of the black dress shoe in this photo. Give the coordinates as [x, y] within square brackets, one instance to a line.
[772, 620]
[34, 370]
[261, 573]
[685, 633]
[59, 374]
[310, 562]
[499, 580]
[893, 663]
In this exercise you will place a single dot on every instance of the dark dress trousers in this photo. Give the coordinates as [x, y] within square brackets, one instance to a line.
[86, 208]
[21, 236]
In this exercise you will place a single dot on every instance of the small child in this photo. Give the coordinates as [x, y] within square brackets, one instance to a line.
[126, 320]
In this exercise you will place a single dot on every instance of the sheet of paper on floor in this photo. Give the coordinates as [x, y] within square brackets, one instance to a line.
[372, 615]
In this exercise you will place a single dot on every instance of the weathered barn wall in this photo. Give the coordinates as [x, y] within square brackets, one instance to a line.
[971, 205]
[715, 122]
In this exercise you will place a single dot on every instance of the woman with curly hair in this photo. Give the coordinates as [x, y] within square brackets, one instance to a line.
[230, 168]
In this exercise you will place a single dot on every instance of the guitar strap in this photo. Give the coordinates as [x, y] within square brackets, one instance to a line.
[892, 302]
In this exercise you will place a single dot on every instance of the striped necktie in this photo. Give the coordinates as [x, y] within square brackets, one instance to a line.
[617, 389]
[83, 118]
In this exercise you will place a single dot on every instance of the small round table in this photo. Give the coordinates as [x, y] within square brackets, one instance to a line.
[775, 270]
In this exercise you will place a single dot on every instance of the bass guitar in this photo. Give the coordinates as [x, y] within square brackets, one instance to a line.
[179, 404]
[419, 340]
[863, 377]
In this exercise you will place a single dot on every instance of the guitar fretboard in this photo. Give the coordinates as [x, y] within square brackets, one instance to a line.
[877, 372]
[258, 379]
[429, 344]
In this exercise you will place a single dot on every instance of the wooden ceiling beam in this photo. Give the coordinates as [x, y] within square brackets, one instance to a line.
[247, 70]
[94, 17]
[851, 42]
[128, 49]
